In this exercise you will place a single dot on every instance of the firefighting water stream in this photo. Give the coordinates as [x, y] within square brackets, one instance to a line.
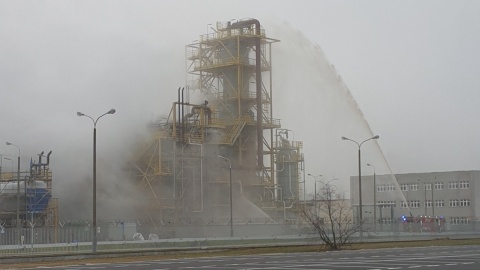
[312, 94]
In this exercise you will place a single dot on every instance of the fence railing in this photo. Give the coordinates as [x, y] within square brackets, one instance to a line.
[77, 238]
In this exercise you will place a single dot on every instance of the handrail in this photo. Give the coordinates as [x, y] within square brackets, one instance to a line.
[239, 124]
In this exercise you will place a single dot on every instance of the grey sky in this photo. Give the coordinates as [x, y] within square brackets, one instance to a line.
[411, 66]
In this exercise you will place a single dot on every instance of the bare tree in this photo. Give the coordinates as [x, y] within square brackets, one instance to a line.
[331, 218]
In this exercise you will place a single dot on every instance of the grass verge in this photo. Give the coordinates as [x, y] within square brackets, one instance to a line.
[242, 251]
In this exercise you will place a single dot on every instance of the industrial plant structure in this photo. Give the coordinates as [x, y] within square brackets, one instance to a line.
[26, 198]
[220, 144]
[220, 155]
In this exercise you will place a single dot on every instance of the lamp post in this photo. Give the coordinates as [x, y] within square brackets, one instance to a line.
[94, 225]
[18, 189]
[360, 219]
[374, 199]
[315, 192]
[231, 200]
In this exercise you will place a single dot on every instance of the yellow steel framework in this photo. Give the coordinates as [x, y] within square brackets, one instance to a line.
[223, 67]
[229, 78]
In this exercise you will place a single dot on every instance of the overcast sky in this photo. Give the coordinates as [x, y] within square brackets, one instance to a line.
[405, 70]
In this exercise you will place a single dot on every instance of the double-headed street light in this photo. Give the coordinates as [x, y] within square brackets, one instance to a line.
[94, 225]
[231, 200]
[18, 189]
[360, 219]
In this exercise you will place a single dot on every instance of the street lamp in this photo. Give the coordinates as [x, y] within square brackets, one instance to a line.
[94, 225]
[231, 201]
[18, 189]
[315, 193]
[374, 199]
[360, 219]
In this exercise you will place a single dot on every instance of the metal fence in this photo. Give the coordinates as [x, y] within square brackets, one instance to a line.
[78, 236]
[75, 237]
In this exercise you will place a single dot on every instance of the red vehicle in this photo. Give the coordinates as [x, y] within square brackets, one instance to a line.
[423, 224]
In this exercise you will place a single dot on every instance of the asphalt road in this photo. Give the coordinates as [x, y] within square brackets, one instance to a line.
[432, 258]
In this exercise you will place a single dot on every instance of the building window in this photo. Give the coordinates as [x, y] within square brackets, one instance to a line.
[387, 204]
[387, 221]
[382, 188]
[439, 203]
[464, 220]
[414, 204]
[454, 203]
[438, 186]
[428, 203]
[464, 185]
[403, 204]
[404, 187]
[454, 220]
[390, 187]
[459, 220]
[453, 185]
[464, 202]
[414, 186]
[428, 186]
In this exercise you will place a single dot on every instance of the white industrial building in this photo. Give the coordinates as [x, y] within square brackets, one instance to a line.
[451, 195]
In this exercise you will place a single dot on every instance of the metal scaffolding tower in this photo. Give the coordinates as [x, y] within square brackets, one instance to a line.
[225, 110]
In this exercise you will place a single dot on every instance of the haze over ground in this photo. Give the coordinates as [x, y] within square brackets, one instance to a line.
[411, 67]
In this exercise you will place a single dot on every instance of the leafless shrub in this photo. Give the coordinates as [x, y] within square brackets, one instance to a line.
[331, 218]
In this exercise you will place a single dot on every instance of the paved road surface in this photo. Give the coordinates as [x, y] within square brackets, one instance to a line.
[431, 258]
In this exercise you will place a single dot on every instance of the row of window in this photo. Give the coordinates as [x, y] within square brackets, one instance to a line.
[387, 220]
[459, 185]
[428, 186]
[459, 220]
[383, 188]
[460, 203]
[386, 204]
[406, 187]
[438, 203]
